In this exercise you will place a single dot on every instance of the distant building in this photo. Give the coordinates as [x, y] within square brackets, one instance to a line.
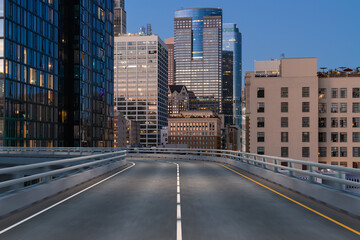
[119, 17]
[171, 61]
[227, 87]
[141, 89]
[233, 135]
[119, 130]
[178, 98]
[164, 136]
[291, 112]
[197, 53]
[196, 129]
[132, 133]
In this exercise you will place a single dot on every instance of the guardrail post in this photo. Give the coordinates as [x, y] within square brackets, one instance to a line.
[264, 165]
[247, 159]
[291, 173]
[255, 163]
[341, 175]
[311, 178]
[276, 169]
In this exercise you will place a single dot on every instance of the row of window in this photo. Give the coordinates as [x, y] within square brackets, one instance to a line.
[339, 152]
[284, 92]
[284, 108]
[342, 123]
[284, 136]
[343, 107]
[339, 137]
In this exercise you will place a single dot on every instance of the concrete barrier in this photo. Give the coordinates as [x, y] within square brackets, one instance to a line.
[334, 198]
[24, 198]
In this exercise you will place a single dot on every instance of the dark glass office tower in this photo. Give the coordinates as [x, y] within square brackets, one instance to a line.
[87, 72]
[119, 17]
[197, 53]
[232, 42]
[29, 74]
[227, 87]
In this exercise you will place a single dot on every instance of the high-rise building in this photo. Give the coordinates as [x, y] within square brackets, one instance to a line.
[227, 87]
[178, 98]
[86, 72]
[141, 89]
[119, 17]
[293, 111]
[171, 62]
[232, 42]
[197, 54]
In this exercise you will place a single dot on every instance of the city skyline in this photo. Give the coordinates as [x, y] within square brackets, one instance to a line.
[271, 29]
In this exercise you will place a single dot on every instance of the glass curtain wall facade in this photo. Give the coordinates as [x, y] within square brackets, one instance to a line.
[29, 86]
[227, 87]
[87, 70]
[141, 83]
[197, 53]
[119, 17]
[232, 42]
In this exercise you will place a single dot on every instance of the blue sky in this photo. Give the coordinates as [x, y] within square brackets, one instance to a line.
[326, 29]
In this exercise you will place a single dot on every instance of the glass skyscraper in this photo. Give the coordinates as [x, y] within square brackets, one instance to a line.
[227, 87]
[197, 53]
[119, 17]
[56, 73]
[232, 42]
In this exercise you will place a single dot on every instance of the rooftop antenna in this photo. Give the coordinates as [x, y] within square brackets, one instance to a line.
[323, 68]
[149, 29]
[282, 55]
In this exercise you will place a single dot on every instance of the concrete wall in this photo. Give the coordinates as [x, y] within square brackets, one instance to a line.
[334, 198]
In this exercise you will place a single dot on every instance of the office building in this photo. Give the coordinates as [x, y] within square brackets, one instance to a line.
[232, 41]
[119, 130]
[178, 98]
[119, 17]
[196, 129]
[171, 62]
[132, 133]
[141, 89]
[291, 112]
[197, 54]
[227, 87]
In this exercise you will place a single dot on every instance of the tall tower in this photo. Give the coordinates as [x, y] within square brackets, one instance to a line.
[171, 63]
[232, 42]
[119, 17]
[197, 53]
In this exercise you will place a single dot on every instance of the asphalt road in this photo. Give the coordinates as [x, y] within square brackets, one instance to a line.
[141, 203]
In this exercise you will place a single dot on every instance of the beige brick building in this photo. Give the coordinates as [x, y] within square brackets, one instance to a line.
[197, 129]
[291, 112]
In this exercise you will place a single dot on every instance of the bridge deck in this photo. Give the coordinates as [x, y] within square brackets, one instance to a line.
[216, 203]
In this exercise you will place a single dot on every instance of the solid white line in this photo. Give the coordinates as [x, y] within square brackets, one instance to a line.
[64, 200]
[178, 206]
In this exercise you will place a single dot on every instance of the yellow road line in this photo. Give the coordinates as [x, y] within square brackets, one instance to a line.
[294, 201]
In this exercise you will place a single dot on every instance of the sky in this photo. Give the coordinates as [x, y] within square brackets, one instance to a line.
[326, 29]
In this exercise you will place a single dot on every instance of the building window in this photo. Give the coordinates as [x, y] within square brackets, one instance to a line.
[261, 93]
[284, 107]
[334, 122]
[284, 152]
[343, 107]
[356, 92]
[343, 122]
[356, 151]
[284, 92]
[322, 122]
[334, 108]
[343, 151]
[334, 151]
[322, 93]
[334, 93]
[261, 150]
[305, 107]
[322, 151]
[322, 107]
[322, 136]
[355, 107]
[284, 136]
[343, 137]
[284, 122]
[305, 92]
[306, 152]
[356, 122]
[261, 107]
[260, 122]
[356, 136]
[305, 122]
[260, 136]
[343, 93]
[305, 137]
[334, 137]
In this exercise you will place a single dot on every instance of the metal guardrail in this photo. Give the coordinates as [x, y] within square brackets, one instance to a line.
[68, 166]
[328, 175]
[56, 150]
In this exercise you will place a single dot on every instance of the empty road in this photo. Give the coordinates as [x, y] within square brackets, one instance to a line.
[150, 200]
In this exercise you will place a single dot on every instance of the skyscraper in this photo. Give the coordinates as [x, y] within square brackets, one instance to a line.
[197, 53]
[227, 87]
[171, 62]
[232, 42]
[119, 17]
[141, 89]
[86, 72]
